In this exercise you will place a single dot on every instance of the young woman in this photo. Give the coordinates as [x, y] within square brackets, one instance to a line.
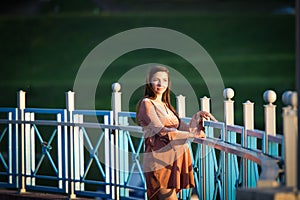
[167, 161]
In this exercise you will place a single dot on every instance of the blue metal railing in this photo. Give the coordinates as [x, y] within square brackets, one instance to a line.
[9, 156]
[221, 180]
[94, 143]
[131, 167]
[81, 143]
[45, 156]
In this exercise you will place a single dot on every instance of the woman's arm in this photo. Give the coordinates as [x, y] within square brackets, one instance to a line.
[183, 126]
[150, 121]
[196, 124]
[152, 125]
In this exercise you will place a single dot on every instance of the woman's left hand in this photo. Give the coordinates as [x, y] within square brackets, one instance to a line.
[203, 114]
[206, 115]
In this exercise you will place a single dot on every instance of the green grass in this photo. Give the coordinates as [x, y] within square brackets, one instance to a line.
[42, 54]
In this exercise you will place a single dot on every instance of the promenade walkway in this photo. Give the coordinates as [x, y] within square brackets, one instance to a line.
[15, 195]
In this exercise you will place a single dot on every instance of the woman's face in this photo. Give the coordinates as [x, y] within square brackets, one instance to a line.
[160, 82]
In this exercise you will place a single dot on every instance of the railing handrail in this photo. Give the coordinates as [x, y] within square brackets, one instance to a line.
[269, 164]
[44, 110]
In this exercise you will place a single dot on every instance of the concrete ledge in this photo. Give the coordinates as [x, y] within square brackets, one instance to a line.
[278, 193]
[15, 195]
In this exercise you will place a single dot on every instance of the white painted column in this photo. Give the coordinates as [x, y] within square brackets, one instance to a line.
[70, 101]
[70, 104]
[66, 152]
[248, 166]
[21, 100]
[21, 106]
[33, 148]
[270, 112]
[270, 116]
[180, 105]
[205, 104]
[228, 160]
[207, 171]
[248, 112]
[78, 152]
[76, 143]
[297, 77]
[107, 148]
[116, 107]
[59, 151]
[29, 149]
[290, 131]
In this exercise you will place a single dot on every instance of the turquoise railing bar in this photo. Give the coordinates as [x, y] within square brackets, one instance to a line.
[10, 161]
[131, 171]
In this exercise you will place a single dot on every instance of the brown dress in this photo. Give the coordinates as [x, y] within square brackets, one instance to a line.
[167, 159]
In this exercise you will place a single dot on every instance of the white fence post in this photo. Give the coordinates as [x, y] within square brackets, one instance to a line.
[290, 130]
[248, 111]
[60, 150]
[249, 167]
[108, 156]
[270, 116]
[123, 144]
[205, 104]
[229, 159]
[70, 101]
[116, 107]
[30, 148]
[124, 156]
[70, 104]
[207, 173]
[65, 153]
[21, 100]
[180, 105]
[21, 106]
[78, 152]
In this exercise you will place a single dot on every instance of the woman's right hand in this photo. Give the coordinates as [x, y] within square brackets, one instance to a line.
[198, 131]
[200, 134]
[196, 125]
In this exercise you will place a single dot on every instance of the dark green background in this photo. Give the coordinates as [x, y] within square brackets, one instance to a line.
[40, 51]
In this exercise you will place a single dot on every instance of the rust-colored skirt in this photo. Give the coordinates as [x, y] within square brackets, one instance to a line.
[167, 165]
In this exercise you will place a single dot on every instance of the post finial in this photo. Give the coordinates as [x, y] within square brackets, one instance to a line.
[228, 93]
[180, 96]
[269, 96]
[290, 98]
[116, 87]
[248, 102]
